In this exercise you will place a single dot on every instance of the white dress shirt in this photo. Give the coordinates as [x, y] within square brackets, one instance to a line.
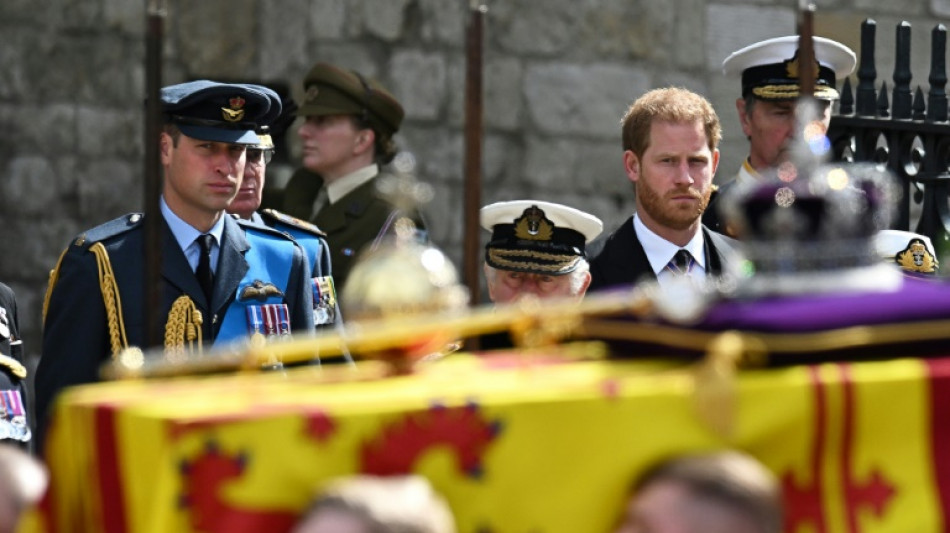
[661, 251]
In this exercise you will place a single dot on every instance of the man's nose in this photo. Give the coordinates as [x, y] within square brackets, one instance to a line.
[226, 162]
[683, 174]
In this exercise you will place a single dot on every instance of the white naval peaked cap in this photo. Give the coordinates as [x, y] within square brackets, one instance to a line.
[561, 215]
[539, 237]
[770, 69]
[913, 252]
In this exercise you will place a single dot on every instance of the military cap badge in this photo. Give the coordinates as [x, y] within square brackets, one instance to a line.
[537, 236]
[792, 67]
[533, 225]
[312, 92]
[235, 110]
[917, 258]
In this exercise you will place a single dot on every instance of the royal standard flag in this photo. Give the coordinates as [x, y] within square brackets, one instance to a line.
[515, 445]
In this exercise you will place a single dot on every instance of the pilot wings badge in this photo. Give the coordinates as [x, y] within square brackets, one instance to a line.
[260, 291]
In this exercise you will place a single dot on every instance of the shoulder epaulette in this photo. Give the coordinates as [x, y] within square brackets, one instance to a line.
[109, 229]
[272, 216]
[247, 225]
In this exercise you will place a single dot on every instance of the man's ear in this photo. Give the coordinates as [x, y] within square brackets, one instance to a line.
[165, 146]
[365, 140]
[631, 165]
[585, 284]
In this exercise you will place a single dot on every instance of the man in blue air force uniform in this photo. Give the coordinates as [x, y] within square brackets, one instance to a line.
[245, 205]
[222, 279]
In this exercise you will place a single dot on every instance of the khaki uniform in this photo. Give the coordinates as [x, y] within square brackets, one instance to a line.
[358, 220]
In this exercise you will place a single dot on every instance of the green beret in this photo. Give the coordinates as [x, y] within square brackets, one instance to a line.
[330, 90]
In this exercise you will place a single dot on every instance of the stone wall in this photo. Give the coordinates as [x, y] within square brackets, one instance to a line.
[558, 76]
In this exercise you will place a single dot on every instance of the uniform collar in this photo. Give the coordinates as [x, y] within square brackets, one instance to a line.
[185, 234]
[747, 174]
[348, 183]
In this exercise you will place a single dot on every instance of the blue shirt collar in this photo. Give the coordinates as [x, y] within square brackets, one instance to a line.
[184, 232]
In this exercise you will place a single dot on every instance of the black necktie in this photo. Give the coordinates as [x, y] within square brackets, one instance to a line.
[681, 262]
[204, 273]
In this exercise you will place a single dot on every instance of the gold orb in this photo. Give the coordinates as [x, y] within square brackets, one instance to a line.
[401, 278]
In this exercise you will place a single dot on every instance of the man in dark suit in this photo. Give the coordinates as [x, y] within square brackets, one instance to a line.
[347, 136]
[222, 280]
[670, 139]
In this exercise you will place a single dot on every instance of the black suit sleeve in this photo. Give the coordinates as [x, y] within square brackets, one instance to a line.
[75, 338]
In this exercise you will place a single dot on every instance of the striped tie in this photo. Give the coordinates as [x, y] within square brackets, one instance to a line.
[681, 263]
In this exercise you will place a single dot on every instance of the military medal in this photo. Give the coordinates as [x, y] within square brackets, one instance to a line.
[324, 300]
[320, 315]
[6, 418]
[13, 417]
[268, 320]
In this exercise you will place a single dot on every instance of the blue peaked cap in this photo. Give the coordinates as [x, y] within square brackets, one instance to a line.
[263, 129]
[220, 112]
[275, 105]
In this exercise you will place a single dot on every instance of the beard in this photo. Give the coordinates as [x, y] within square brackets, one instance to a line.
[668, 213]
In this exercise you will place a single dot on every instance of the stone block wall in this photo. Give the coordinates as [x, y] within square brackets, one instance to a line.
[558, 76]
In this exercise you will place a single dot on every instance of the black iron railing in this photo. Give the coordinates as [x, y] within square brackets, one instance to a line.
[910, 135]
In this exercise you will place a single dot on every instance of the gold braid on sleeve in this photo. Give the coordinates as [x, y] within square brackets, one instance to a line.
[183, 326]
[53, 277]
[111, 299]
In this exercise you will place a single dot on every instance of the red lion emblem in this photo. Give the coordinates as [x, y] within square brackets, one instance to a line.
[204, 481]
[463, 429]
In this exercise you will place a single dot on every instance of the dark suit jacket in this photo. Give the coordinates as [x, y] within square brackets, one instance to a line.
[351, 224]
[622, 260]
[76, 335]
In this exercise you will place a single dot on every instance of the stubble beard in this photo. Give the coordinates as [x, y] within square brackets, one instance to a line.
[665, 212]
